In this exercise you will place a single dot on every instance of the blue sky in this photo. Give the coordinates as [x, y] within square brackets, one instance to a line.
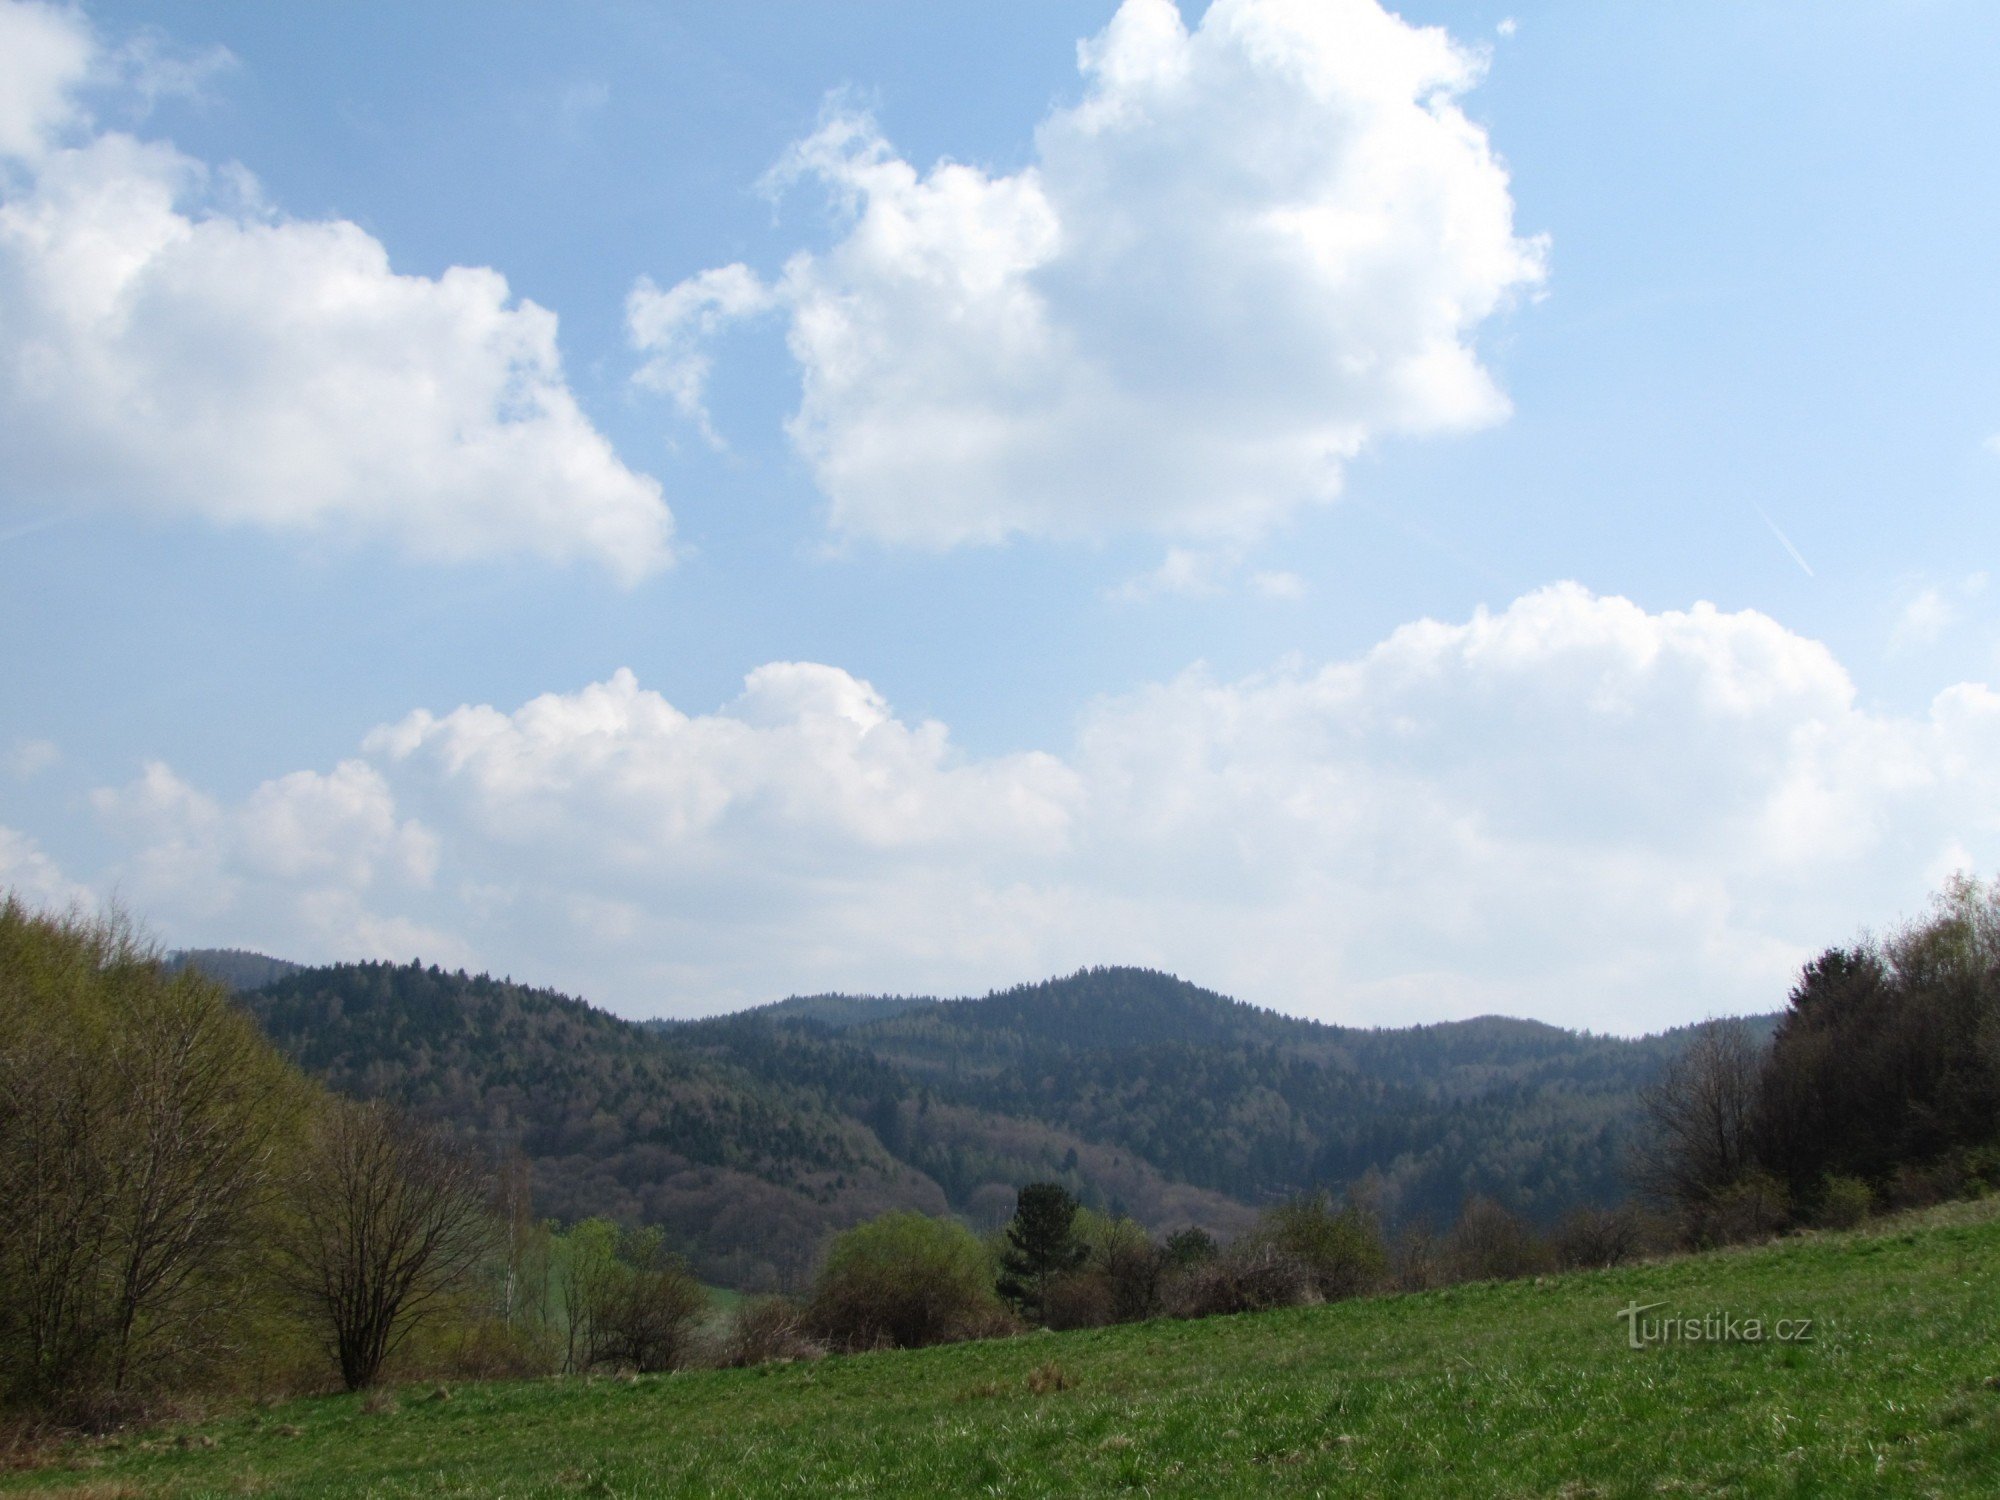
[1391, 514]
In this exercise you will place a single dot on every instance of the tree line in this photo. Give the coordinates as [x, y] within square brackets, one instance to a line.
[1880, 1086]
[182, 1208]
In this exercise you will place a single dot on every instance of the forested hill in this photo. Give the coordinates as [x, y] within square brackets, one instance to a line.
[1222, 1095]
[749, 1136]
[614, 1118]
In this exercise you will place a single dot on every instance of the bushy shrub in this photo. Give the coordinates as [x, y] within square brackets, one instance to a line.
[1844, 1202]
[1250, 1276]
[144, 1127]
[629, 1302]
[904, 1280]
[767, 1330]
[1752, 1208]
[1591, 1239]
[1340, 1248]
[1079, 1299]
[1123, 1257]
[1192, 1246]
[1490, 1244]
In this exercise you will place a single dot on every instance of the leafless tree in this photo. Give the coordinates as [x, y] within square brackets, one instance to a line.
[389, 1218]
[1699, 1116]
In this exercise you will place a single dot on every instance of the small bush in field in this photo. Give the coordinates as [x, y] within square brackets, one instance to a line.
[1416, 1261]
[1341, 1248]
[1590, 1239]
[1247, 1277]
[1754, 1208]
[767, 1330]
[1048, 1377]
[1490, 1244]
[1080, 1299]
[904, 1280]
[1845, 1202]
[1192, 1246]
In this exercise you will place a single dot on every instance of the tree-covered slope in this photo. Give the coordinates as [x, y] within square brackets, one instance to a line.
[1220, 1095]
[613, 1118]
[749, 1136]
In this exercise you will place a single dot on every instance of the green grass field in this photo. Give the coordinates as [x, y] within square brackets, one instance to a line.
[1513, 1389]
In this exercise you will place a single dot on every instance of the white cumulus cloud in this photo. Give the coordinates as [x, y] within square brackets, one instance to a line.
[1571, 808]
[322, 864]
[170, 343]
[29, 875]
[1245, 254]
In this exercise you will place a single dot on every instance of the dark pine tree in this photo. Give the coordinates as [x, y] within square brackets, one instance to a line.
[1041, 1244]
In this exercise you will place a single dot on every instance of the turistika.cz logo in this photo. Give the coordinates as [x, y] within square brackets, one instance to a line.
[1708, 1328]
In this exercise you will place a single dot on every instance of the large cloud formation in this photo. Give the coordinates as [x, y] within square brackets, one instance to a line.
[170, 343]
[1572, 808]
[1246, 253]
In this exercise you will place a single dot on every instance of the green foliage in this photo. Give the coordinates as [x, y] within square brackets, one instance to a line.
[1887, 1059]
[144, 1125]
[628, 1302]
[1844, 1202]
[903, 1280]
[1189, 1247]
[1341, 1249]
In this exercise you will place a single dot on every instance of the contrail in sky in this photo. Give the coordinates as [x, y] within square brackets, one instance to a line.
[1787, 541]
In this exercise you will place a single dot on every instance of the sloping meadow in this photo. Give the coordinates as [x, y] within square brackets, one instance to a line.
[1864, 1363]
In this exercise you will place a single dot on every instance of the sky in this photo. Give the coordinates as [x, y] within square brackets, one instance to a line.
[1394, 515]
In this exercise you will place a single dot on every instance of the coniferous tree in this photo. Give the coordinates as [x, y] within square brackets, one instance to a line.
[1041, 1244]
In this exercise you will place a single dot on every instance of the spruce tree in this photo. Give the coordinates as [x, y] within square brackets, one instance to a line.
[1041, 1244]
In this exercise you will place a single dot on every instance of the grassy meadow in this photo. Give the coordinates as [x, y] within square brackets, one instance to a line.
[1520, 1388]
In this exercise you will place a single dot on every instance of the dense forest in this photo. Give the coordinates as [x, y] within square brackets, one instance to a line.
[1218, 1094]
[748, 1137]
[613, 1119]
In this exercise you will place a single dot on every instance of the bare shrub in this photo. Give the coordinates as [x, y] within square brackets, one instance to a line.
[1699, 1117]
[1080, 1299]
[767, 1330]
[1592, 1239]
[652, 1309]
[1247, 1277]
[1417, 1262]
[1490, 1244]
[389, 1219]
[1119, 1281]
[1753, 1208]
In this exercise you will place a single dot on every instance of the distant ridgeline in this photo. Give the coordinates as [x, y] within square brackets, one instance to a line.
[749, 1136]
[234, 967]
